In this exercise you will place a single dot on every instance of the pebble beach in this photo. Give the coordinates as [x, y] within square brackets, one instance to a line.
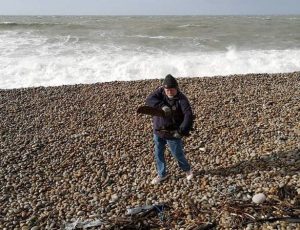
[82, 153]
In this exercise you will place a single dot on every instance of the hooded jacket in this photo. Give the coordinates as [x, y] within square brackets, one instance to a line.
[182, 115]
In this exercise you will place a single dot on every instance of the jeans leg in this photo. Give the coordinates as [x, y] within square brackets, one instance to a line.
[160, 145]
[176, 147]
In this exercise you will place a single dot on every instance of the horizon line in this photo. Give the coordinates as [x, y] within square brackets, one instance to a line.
[130, 15]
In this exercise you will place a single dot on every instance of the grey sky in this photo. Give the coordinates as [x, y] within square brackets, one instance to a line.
[148, 7]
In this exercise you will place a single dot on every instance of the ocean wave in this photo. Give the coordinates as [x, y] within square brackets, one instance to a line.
[37, 25]
[152, 37]
[27, 24]
[192, 25]
[8, 23]
[100, 65]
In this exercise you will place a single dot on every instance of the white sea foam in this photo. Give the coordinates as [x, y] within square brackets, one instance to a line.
[103, 66]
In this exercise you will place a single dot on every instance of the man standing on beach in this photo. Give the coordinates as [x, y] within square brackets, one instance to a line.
[171, 128]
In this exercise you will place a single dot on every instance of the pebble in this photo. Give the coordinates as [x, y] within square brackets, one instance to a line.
[259, 198]
[114, 197]
[80, 213]
[35, 228]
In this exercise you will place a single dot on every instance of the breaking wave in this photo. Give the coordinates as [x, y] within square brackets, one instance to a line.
[109, 65]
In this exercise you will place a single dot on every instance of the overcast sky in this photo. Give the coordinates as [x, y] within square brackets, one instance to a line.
[148, 7]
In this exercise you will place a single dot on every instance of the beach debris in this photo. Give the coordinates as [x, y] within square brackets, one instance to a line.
[286, 191]
[77, 224]
[136, 210]
[158, 208]
[259, 198]
[142, 217]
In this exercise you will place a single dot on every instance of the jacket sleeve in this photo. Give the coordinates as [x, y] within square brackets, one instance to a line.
[186, 109]
[155, 99]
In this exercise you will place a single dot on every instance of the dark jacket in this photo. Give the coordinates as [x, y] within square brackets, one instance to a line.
[182, 115]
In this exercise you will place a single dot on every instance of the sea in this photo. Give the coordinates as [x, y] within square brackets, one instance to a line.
[64, 50]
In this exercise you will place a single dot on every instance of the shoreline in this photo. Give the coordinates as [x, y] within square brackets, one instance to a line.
[246, 75]
[81, 151]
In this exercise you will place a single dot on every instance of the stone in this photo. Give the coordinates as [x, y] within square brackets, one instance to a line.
[259, 198]
[114, 197]
[35, 228]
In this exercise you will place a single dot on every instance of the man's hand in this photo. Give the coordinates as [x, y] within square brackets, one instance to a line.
[167, 110]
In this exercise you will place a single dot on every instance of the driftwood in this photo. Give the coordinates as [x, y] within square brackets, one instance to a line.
[274, 219]
[148, 219]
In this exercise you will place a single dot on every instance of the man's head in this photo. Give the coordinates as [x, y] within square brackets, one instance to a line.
[170, 86]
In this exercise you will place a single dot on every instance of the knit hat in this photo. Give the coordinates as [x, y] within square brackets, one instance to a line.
[170, 82]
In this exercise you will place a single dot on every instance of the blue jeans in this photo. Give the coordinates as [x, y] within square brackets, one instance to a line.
[176, 148]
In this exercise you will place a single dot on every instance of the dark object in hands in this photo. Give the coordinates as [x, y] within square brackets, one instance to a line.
[147, 110]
